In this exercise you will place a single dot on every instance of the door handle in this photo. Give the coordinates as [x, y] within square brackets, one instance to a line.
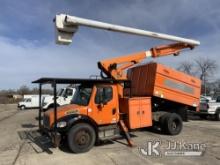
[113, 111]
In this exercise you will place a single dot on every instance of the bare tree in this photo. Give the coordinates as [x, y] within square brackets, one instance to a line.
[186, 67]
[205, 67]
[23, 90]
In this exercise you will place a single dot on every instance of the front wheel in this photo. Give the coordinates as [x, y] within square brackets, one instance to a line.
[172, 124]
[22, 107]
[81, 138]
[203, 116]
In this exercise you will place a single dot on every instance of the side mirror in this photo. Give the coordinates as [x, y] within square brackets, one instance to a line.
[104, 102]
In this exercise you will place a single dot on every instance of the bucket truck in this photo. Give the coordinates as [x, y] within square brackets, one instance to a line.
[101, 109]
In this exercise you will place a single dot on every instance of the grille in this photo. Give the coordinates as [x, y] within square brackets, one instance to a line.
[203, 107]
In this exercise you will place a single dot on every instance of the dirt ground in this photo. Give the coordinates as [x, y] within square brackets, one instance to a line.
[21, 144]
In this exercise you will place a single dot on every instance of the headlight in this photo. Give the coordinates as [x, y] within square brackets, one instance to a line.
[61, 124]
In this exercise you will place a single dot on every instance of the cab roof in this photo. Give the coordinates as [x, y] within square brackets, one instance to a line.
[49, 80]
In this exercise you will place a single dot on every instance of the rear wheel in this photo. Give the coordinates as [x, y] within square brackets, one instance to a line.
[81, 138]
[172, 124]
[217, 116]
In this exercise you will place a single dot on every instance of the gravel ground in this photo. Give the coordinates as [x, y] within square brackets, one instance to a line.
[21, 144]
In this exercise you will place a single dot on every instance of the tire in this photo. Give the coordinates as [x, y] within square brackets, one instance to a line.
[217, 116]
[81, 138]
[52, 106]
[49, 107]
[162, 122]
[22, 107]
[172, 124]
[203, 116]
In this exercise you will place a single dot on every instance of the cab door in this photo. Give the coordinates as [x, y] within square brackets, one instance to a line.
[105, 107]
[28, 103]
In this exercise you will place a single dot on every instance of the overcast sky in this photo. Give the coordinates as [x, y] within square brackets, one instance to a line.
[28, 50]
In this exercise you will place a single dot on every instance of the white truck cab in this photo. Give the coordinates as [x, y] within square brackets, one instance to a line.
[64, 96]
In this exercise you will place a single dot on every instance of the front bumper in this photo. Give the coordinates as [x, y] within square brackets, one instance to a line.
[45, 129]
[54, 136]
[202, 112]
[49, 131]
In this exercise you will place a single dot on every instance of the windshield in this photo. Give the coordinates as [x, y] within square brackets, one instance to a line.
[82, 95]
[204, 100]
[24, 100]
[60, 92]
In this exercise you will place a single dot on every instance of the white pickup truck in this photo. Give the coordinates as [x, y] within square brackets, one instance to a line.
[64, 96]
[209, 107]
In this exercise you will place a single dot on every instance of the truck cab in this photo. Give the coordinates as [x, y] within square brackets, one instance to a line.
[208, 107]
[25, 103]
[98, 103]
[64, 96]
[93, 114]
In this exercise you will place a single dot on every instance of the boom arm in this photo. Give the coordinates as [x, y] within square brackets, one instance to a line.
[115, 67]
[67, 25]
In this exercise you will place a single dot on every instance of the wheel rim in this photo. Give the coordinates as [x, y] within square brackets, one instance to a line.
[173, 125]
[82, 138]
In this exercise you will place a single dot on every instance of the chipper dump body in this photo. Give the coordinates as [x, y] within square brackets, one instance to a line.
[158, 80]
